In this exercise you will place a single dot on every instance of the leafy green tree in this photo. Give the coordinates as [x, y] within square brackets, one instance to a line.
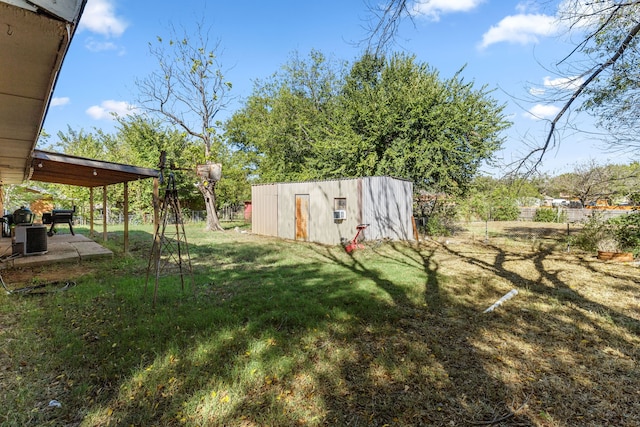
[16, 196]
[235, 188]
[141, 141]
[550, 215]
[81, 143]
[496, 199]
[626, 229]
[288, 118]
[396, 117]
[414, 125]
[626, 186]
[590, 181]
[479, 200]
[138, 140]
[613, 96]
[603, 65]
[95, 145]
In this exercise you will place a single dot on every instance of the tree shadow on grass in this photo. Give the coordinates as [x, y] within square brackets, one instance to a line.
[264, 342]
[585, 348]
[320, 339]
[547, 282]
[417, 367]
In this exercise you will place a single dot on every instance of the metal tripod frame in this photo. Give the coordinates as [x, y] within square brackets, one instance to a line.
[169, 246]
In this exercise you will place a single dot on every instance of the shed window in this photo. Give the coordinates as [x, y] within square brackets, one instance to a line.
[340, 204]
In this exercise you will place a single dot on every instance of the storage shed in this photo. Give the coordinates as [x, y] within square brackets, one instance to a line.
[329, 211]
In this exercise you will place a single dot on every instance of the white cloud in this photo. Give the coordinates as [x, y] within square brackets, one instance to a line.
[540, 111]
[520, 29]
[583, 14]
[106, 109]
[559, 83]
[563, 83]
[99, 17]
[537, 91]
[527, 6]
[97, 46]
[58, 102]
[432, 9]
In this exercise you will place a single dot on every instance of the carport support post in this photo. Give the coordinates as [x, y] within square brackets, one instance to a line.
[104, 213]
[126, 217]
[156, 203]
[91, 207]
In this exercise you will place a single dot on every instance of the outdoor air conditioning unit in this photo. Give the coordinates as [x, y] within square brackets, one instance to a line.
[30, 240]
[339, 214]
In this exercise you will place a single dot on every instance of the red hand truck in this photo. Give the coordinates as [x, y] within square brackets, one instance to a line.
[353, 245]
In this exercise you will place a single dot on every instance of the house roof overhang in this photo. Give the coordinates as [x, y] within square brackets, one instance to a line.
[34, 39]
[59, 168]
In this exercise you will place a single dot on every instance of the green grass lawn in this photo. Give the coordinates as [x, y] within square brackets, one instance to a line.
[282, 333]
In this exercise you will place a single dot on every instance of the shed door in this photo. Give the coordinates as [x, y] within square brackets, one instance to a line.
[302, 217]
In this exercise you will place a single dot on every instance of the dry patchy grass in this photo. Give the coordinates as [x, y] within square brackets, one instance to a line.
[283, 333]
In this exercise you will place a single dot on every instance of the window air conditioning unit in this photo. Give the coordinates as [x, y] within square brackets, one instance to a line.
[30, 240]
[340, 214]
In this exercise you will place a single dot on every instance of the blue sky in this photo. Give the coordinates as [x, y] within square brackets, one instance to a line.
[507, 45]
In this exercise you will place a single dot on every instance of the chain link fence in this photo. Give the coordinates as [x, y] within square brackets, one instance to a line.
[189, 216]
[517, 231]
[572, 215]
[525, 230]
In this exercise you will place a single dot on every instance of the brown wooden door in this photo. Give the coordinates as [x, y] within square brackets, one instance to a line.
[302, 217]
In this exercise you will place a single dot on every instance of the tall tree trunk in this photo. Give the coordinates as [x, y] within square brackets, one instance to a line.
[208, 190]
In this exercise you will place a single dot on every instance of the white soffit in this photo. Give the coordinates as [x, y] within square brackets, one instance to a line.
[67, 10]
[32, 47]
[21, 3]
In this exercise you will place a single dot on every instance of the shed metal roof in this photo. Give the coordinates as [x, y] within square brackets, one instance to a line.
[329, 180]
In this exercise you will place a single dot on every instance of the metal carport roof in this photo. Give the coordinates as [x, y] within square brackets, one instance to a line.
[73, 170]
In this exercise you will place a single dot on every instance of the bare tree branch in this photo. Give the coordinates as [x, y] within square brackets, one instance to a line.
[605, 21]
[388, 19]
[189, 90]
[541, 151]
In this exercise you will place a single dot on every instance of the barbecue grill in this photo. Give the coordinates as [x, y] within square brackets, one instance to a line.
[22, 216]
[59, 216]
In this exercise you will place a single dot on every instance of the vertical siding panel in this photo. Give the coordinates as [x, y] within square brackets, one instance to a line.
[324, 229]
[287, 208]
[387, 207]
[264, 219]
[359, 201]
[373, 209]
[385, 203]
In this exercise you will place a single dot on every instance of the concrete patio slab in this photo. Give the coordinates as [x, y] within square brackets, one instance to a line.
[61, 248]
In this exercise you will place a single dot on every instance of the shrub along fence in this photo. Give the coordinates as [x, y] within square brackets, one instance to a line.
[572, 223]
[572, 215]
